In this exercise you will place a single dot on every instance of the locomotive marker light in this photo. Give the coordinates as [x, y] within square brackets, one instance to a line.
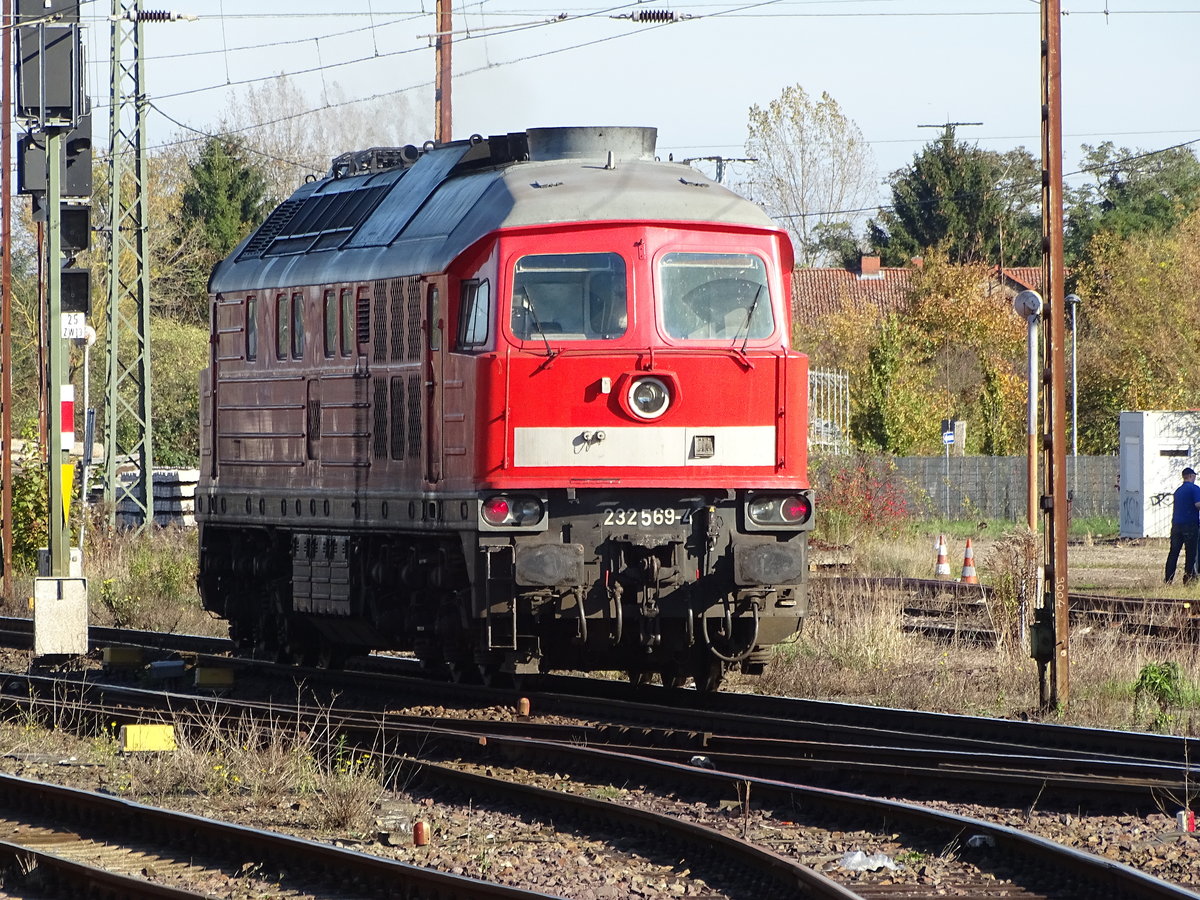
[504, 511]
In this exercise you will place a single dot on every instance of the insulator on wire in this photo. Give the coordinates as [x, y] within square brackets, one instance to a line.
[654, 15]
[158, 15]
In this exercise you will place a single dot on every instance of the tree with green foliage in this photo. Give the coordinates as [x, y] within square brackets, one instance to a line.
[971, 205]
[1137, 345]
[812, 167]
[1132, 192]
[225, 194]
[180, 351]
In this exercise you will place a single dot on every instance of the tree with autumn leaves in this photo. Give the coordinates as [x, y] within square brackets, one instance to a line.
[952, 351]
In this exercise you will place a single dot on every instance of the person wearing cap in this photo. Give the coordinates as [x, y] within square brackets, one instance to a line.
[1185, 527]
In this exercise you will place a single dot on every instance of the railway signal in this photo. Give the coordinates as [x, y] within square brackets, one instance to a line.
[55, 153]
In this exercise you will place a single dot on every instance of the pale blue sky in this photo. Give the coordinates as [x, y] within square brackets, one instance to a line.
[893, 65]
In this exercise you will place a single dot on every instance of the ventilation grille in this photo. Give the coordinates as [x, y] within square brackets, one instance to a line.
[379, 429]
[276, 222]
[398, 421]
[414, 416]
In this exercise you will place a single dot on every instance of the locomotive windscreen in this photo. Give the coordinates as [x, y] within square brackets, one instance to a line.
[570, 296]
[715, 296]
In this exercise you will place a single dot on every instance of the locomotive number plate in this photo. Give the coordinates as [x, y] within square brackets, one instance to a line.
[647, 518]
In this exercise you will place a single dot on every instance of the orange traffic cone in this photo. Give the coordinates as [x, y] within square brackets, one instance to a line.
[968, 575]
[943, 566]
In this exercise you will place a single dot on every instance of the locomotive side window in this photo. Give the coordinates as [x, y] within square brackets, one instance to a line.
[251, 328]
[715, 296]
[570, 297]
[348, 324]
[331, 323]
[283, 326]
[474, 313]
[297, 326]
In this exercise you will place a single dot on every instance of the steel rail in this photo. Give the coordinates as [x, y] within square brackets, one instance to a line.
[777, 875]
[803, 758]
[112, 818]
[1102, 877]
[621, 765]
[54, 876]
[688, 712]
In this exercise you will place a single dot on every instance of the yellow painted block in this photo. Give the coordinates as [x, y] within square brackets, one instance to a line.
[213, 677]
[122, 657]
[137, 738]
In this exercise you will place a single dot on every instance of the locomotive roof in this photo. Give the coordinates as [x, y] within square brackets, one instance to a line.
[417, 216]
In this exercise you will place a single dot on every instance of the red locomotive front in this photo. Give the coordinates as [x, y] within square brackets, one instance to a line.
[554, 422]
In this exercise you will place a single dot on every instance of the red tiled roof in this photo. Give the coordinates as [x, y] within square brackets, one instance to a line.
[817, 293]
[1018, 278]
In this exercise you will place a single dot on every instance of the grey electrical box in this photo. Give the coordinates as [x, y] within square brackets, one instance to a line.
[60, 616]
[49, 73]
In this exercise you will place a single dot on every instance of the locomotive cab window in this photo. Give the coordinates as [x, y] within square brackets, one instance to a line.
[569, 297]
[715, 297]
[251, 328]
[474, 313]
[283, 326]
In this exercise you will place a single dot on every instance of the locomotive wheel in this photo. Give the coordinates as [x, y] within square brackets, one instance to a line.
[672, 677]
[463, 673]
[639, 678]
[493, 677]
[335, 656]
[708, 675]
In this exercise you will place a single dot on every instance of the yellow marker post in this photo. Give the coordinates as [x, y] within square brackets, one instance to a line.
[141, 738]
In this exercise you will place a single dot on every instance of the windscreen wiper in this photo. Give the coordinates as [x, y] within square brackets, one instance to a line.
[749, 317]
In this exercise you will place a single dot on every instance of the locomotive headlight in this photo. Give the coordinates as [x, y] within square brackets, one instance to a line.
[779, 510]
[505, 511]
[649, 398]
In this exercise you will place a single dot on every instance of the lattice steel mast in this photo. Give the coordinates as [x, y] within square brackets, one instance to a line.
[128, 432]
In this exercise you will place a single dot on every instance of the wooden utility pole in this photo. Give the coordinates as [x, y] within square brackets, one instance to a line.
[1053, 617]
[441, 85]
[6, 494]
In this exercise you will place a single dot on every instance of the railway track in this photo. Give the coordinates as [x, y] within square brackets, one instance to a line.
[755, 739]
[779, 737]
[954, 611]
[782, 811]
[145, 851]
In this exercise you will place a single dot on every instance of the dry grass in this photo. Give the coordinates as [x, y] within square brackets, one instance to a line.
[269, 765]
[136, 581]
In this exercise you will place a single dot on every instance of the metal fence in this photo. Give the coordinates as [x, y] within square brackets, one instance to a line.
[829, 411]
[963, 487]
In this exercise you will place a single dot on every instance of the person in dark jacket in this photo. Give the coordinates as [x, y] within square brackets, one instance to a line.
[1185, 527]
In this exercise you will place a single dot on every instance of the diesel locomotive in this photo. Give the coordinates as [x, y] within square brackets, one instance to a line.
[514, 404]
